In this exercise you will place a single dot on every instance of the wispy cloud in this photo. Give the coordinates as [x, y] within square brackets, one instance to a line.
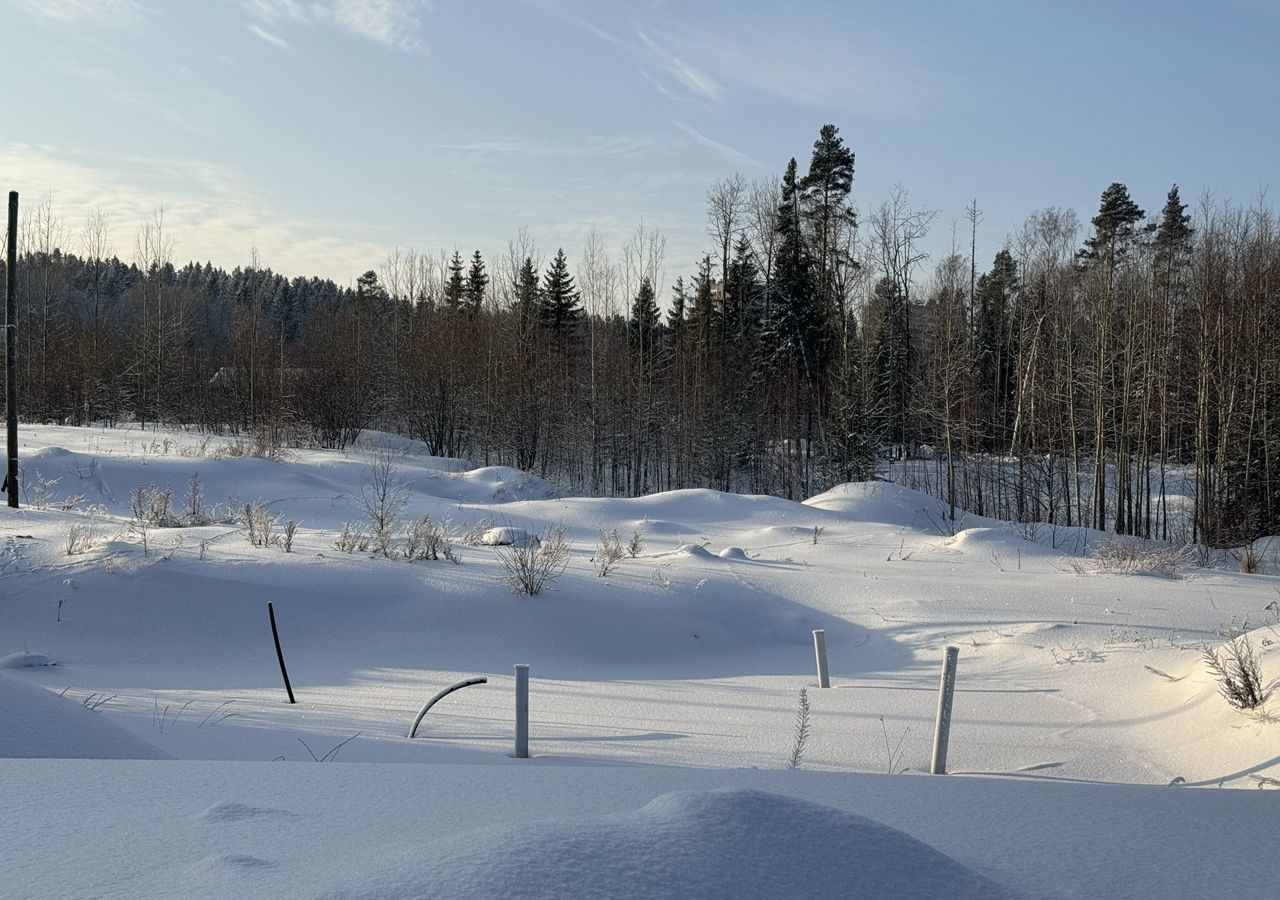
[393, 23]
[698, 64]
[117, 89]
[705, 141]
[83, 12]
[695, 80]
[260, 32]
[595, 146]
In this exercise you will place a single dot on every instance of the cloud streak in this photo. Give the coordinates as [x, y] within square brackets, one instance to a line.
[700, 138]
[260, 32]
[82, 12]
[395, 24]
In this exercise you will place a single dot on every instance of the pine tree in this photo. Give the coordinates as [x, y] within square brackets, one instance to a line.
[559, 309]
[477, 281]
[1115, 227]
[825, 190]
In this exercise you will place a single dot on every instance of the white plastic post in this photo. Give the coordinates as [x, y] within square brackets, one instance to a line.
[522, 711]
[820, 651]
[942, 730]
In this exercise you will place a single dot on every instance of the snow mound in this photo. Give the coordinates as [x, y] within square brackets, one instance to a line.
[734, 553]
[500, 484]
[881, 502]
[693, 551]
[25, 661]
[38, 724]
[729, 843]
[506, 536]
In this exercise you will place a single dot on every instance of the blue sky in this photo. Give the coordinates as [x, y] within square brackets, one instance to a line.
[326, 132]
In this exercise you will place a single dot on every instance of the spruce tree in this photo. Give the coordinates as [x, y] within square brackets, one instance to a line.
[558, 308]
[526, 296]
[477, 281]
[1173, 236]
[644, 318]
[795, 322]
[455, 287]
[679, 298]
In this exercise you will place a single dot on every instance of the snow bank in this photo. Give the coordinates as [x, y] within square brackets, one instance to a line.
[727, 843]
[40, 724]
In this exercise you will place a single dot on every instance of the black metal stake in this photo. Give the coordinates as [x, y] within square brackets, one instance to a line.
[11, 351]
[280, 653]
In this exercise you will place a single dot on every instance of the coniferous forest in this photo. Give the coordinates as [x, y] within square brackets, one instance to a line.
[815, 343]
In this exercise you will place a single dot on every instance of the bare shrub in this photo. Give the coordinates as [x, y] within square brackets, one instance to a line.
[153, 506]
[290, 529]
[609, 552]
[261, 525]
[39, 490]
[472, 537]
[426, 540]
[636, 545]
[1250, 559]
[1235, 665]
[383, 496]
[195, 511]
[81, 538]
[351, 540]
[530, 566]
[1134, 558]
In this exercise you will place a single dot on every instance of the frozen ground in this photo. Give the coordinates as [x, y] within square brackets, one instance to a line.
[678, 672]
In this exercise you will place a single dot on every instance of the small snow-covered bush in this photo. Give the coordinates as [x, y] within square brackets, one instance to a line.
[530, 566]
[351, 540]
[1235, 665]
[608, 552]
[153, 506]
[1133, 558]
[261, 524]
[636, 545]
[81, 538]
[195, 511]
[425, 540]
[474, 535]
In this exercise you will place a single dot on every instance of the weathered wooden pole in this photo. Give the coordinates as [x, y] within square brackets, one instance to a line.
[942, 729]
[275, 633]
[522, 711]
[820, 651]
[11, 351]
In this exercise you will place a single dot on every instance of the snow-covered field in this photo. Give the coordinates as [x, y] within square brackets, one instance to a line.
[663, 698]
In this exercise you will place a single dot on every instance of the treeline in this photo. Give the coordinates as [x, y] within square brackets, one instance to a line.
[1081, 379]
